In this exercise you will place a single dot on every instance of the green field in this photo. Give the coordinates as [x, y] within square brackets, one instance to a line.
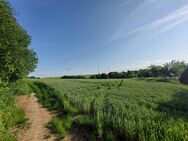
[129, 109]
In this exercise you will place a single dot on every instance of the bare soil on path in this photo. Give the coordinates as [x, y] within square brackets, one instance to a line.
[37, 116]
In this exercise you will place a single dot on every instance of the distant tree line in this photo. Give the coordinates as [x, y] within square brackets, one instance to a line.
[33, 77]
[168, 70]
[73, 77]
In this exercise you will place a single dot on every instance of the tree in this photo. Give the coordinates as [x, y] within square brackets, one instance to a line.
[144, 73]
[16, 59]
[113, 75]
[155, 71]
[103, 76]
[132, 74]
[173, 68]
[184, 76]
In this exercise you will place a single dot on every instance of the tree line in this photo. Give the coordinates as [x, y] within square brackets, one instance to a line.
[17, 60]
[73, 77]
[169, 70]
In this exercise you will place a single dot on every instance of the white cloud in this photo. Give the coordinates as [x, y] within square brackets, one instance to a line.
[123, 4]
[142, 7]
[143, 4]
[156, 28]
[159, 26]
[139, 9]
[178, 17]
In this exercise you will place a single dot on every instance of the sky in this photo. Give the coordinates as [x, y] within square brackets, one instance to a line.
[74, 37]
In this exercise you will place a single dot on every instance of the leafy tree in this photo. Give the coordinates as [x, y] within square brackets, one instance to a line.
[103, 76]
[16, 59]
[173, 68]
[184, 76]
[113, 75]
[129, 74]
[132, 74]
[155, 71]
[73, 77]
[123, 74]
[170, 69]
[144, 73]
[93, 77]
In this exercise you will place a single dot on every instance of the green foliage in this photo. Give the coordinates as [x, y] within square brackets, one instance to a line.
[10, 115]
[56, 101]
[85, 120]
[16, 59]
[49, 97]
[20, 87]
[110, 137]
[168, 70]
[73, 77]
[137, 110]
[56, 126]
[67, 121]
[184, 76]
[173, 68]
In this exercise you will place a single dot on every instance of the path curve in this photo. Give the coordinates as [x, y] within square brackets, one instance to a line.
[38, 118]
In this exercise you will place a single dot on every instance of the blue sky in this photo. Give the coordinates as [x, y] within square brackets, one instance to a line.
[90, 36]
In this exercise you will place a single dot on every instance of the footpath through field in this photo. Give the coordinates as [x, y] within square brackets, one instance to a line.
[38, 118]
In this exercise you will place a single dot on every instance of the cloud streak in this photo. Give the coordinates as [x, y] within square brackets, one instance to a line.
[152, 29]
[158, 26]
[123, 4]
[172, 19]
[139, 9]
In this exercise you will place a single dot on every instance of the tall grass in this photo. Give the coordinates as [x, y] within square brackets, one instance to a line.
[55, 101]
[10, 115]
[136, 110]
[56, 126]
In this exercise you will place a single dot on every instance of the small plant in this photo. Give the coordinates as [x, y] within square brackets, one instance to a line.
[110, 136]
[56, 126]
[19, 117]
[19, 87]
[67, 122]
[85, 121]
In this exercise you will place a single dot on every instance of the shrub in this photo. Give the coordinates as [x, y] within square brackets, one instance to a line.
[10, 114]
[110, 136]
[19, 87]
[85, 121]
[56, 126]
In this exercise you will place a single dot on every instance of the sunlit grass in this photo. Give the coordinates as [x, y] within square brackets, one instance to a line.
[130, 109]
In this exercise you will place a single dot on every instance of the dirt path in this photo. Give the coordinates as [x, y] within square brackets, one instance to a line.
[38, 118]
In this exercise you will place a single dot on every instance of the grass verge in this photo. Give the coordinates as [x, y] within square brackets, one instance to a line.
[10, 115]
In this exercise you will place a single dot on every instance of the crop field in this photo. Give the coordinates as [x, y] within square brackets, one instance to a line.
[129, 109]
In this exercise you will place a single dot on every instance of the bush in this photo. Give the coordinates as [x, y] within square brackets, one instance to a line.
[10, 114]
[56, 126]
[85, 121]
[20, 117]
[110, 137]
[19, 87]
